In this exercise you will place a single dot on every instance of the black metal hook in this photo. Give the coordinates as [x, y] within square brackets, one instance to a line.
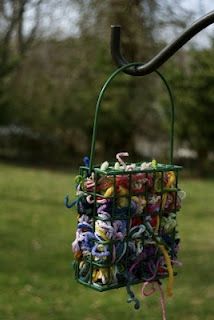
[164, 54]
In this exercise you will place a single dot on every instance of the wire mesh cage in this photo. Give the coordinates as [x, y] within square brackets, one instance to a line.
[127, 217]
[126, 230]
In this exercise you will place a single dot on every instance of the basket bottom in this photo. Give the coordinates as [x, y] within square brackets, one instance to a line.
[106, 287]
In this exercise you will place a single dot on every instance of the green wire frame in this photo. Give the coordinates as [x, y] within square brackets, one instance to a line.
[84, 274]
[100, 98]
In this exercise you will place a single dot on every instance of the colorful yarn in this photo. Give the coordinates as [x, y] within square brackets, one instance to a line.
[169, 269]
[154, 287]
[127, 229]
[118, 157]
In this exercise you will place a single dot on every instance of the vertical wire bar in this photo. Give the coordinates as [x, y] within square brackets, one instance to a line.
[146, 199]
[114, 198]
[175, 207]
[95, 200]
[129, 223]
[112, 219]
[176, 193]
[142, 222]
[172, 127]
[77, 264]
[162, 209]
[94, 219]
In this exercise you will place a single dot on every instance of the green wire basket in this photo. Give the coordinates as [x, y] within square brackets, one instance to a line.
[126, 230]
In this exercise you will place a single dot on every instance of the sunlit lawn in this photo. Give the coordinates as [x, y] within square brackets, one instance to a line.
[36, 278]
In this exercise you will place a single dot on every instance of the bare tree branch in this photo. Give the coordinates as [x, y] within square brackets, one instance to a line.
[8, 33]
[13, 37]
[32, 34]
[3, 10]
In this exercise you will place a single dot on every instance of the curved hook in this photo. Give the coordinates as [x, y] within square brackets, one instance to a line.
[164, 54]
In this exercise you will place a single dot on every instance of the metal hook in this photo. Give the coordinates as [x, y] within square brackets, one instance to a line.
[164, 54]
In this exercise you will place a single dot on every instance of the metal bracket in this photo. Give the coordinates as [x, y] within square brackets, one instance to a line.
[164, 54]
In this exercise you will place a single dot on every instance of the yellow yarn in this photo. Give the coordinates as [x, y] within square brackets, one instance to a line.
[109, 192]
[172, 178]
[123, 191]
[158, 224]
[122, 202]
[100, 232]
[104, 274]
[170, 183]
[170, 270]
[164, 200]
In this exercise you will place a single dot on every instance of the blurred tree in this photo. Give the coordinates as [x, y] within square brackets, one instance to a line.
[193, 88]
[57, 79]
[15, 40]
[129, 109]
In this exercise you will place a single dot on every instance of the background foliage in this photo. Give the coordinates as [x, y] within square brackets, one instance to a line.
[54, 58]
[49, 82]
[36, 277]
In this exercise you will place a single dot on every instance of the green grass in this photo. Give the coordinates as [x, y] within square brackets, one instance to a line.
[36, 279]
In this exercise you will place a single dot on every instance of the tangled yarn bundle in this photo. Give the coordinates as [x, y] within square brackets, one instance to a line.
[127, 228]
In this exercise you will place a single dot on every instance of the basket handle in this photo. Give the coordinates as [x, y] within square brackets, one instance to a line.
[99, 100]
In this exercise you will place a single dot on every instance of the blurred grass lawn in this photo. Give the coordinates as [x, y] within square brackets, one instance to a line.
[36, 278]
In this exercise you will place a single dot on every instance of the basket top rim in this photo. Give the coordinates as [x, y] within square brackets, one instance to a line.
[112, 171]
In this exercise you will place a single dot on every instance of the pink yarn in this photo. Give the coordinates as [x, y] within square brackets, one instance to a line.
[151, 291]
[90, 200]
[118, 157]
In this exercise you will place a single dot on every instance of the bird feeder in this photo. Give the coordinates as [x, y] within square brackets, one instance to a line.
[127, 212]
